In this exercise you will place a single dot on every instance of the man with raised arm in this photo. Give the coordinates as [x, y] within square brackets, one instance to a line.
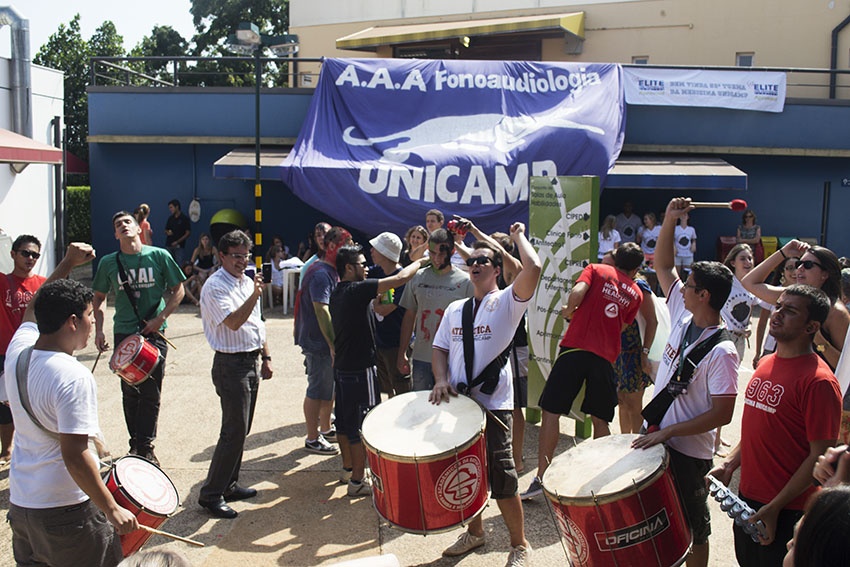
[54, 482]
[688, 425]
[494, 314]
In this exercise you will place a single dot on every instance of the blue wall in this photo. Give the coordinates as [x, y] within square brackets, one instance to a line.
[785, 192]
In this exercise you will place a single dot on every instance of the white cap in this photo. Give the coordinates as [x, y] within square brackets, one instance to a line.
[388, 244]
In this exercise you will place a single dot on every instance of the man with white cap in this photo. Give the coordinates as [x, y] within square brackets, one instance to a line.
[386, 251]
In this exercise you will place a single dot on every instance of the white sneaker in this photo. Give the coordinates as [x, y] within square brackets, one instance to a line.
[465, 543]
[520, 556]
[344, 476]
[362, 488]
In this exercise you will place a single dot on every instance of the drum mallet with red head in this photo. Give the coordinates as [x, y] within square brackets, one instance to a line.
[735, 204]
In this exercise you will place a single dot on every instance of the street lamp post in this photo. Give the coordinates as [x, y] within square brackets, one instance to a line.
[249, 41]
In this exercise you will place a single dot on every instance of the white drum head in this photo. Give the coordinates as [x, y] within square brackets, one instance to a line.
[410, 426]
[602, 467]
[146, 485]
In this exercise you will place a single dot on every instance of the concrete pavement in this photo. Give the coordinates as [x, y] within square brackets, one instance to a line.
[301, 515]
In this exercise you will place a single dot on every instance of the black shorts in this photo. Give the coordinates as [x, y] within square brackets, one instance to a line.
[689, 474]
[356, 394]
[504, 481]
[573, 368]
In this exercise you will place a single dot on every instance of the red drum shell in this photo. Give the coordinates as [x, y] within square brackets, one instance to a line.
[146, 491]
[135, 359]
[616, 506]
[429, 463]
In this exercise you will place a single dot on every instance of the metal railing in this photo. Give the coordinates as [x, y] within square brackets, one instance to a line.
[802, 82]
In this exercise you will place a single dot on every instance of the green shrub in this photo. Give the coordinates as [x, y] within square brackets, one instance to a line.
[78, 214]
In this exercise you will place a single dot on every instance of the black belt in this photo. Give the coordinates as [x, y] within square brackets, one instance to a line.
[251, 354]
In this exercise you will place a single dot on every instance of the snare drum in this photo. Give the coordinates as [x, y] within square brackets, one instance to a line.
[135, 359]
[142, 488]
[616, 505]
[429, 462]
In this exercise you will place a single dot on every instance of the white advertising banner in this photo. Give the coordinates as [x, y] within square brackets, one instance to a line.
[744, 90]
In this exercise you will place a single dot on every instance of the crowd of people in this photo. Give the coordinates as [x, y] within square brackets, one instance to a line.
[404, 320]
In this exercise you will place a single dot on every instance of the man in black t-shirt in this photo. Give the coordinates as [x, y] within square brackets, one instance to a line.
[177, 230]
[355, 377]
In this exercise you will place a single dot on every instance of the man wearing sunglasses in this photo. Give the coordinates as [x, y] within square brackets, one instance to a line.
[141, 276]
[424, 299]
[17, 289]
[355, 376]
[495, 315]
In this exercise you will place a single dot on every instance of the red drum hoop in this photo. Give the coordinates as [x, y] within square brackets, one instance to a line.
[146, 491]
[428, 462]
[615, 505]
[135, 359]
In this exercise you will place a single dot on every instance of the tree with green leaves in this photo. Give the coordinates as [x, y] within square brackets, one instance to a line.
[163, 41]
[215, 20]
[67, 51]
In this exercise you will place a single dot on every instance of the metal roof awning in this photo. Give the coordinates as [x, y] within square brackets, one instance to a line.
[18, 149]
[372, 38]
[241, 163]
[678, 173]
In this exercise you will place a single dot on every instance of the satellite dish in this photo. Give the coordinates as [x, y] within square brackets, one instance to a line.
[195, 210]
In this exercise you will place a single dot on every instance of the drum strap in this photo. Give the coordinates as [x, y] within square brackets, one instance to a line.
[654, 411]
[128, 289]
[489, 377]
[22, 369]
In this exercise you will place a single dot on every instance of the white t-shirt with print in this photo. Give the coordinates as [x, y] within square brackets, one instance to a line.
[715, 375]
[685, 235]
[493, 327]
[63, 397]
[649, 238]
[739, 306]
[606, 244]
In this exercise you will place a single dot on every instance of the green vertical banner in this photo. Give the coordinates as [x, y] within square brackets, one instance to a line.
[564, 228]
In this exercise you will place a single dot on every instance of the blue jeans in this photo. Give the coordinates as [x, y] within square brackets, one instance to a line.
[236, 382]
[423, 375]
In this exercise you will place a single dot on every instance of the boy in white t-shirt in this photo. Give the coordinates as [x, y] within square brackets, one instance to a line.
[496, 314]
[54, 477]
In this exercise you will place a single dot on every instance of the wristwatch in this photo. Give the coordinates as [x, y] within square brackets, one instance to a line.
[644, 350]
[267, 357]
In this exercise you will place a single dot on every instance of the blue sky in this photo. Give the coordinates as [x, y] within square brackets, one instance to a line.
[133, 20]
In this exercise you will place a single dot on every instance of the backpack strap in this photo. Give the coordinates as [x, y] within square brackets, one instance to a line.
[21, 375]
[655, 410]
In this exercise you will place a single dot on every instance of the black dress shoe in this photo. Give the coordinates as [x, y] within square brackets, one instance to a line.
[219, 508]
[239, 493]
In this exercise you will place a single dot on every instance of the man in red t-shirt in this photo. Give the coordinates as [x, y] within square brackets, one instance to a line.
[603, 301]
[16, 289]
[792, 408]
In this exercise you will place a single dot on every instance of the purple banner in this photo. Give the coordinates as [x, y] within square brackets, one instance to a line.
[387, 139]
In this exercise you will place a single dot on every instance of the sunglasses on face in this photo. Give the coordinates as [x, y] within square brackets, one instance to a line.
[480, 260]
[807, 264]
[29, 254]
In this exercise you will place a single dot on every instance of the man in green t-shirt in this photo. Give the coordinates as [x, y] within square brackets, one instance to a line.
[150, 272]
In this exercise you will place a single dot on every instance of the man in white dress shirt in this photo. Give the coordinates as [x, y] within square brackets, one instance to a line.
[230, 310]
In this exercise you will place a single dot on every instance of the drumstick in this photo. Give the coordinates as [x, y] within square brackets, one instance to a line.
[170, 535]
[735, 204]
[95, 362]
[166, 340]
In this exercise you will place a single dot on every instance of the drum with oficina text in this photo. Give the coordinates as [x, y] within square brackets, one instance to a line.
[428, 462]
[617, 506]
[146, 491]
